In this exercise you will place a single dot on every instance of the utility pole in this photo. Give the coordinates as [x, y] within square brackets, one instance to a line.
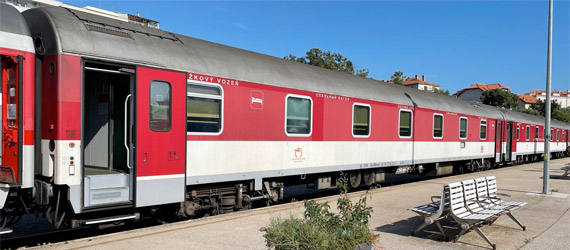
[547, 135]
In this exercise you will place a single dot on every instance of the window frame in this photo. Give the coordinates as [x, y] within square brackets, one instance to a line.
[557, 134]
[518, 131]
[536, 133]
[311, 116]
[527, 133]
[411, 123]
[433, 126]
[551, 135]
[369, 119]
[221, 98]
[486, 129]
[169, 106]
[466, 128]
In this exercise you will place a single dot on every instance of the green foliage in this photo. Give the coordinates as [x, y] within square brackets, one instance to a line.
[441, 91]
[540, 106]
[322, 229]
[561, 115]
[500, 98]
[397, 78]
[328, 60]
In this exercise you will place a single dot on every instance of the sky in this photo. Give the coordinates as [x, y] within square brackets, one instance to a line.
[453, 43]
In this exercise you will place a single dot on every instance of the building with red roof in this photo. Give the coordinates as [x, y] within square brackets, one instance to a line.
[562, 97]
[473, 92]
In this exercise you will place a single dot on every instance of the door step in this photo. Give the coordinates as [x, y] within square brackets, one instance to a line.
[106, 189]
[99, 196]
[106, 220]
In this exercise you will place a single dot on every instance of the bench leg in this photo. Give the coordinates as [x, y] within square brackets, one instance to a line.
[420, 228]
[484, 237]
[566, 173]
[441, 230]
[517, 221]
[461, 233]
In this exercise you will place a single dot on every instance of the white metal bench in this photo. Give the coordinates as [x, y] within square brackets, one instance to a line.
[566, 170]
[433, 212]
[494, 199]
[470, 212]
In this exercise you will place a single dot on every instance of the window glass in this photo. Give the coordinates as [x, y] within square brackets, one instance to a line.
[462, 128]
[11, 93]
[483, 130]
[536, 132]
[438, 126]
[405, 123]
[298, 115]
[160, 111]
[551, 136]
[527, 133]
[203, 109]
[557, 134]
[361, 120]
[518, 131]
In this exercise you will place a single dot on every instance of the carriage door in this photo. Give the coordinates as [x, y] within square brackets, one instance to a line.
[160, 137]
[509, 134]
[11, 76]
[498, 141]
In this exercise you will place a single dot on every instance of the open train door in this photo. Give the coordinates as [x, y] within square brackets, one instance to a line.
[160, 137]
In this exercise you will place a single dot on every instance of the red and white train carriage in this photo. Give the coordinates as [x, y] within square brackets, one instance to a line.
[134, 119]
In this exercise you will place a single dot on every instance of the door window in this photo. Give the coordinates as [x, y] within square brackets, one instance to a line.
[160, 106]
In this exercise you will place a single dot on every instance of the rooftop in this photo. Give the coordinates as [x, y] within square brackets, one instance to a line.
[484, 87]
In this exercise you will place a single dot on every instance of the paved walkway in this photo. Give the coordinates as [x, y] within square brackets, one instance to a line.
[547, 219]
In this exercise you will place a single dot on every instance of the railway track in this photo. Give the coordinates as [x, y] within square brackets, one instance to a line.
[32, 236]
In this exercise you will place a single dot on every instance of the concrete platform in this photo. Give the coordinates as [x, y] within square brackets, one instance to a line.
[546, 217]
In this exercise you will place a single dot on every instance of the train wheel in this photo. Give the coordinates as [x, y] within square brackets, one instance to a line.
[369, 177]
[355, 179]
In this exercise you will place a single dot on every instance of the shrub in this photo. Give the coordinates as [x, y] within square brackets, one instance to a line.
[322, 229]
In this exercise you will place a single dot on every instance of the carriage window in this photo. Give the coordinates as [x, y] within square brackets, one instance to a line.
[203, 108]
[361, 120]
[483, 130]
[298, 115]
[536, 132]
[437, 126]
[527, 132]
[405, 123]
[160, 111]
[462, 128]
[551, 135]
[557, 135]
[518, 131]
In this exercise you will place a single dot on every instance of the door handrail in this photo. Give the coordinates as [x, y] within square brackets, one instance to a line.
[126, 133]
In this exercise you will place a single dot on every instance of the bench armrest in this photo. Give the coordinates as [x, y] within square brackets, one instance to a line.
[435, 197]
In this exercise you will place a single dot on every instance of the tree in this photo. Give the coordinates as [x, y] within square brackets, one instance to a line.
[540, 106]
[500, 98]
[441, 91]
[397, 78]
[328, 60]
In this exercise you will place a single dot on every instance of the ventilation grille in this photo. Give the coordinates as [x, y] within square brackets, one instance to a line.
[107, 30]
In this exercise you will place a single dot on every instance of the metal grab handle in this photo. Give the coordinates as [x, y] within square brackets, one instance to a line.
[127, 133]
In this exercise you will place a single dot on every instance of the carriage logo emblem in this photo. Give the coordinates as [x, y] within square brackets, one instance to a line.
[298, 153]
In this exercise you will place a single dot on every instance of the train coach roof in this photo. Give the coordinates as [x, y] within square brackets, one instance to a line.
[95, 36]
[12, 21]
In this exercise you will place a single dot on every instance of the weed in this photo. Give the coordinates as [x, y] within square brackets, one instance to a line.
[554, 190]
[527, 240]
[322, 229]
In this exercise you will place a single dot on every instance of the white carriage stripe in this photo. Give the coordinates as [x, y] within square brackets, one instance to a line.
[15, 41]
[160, 177]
